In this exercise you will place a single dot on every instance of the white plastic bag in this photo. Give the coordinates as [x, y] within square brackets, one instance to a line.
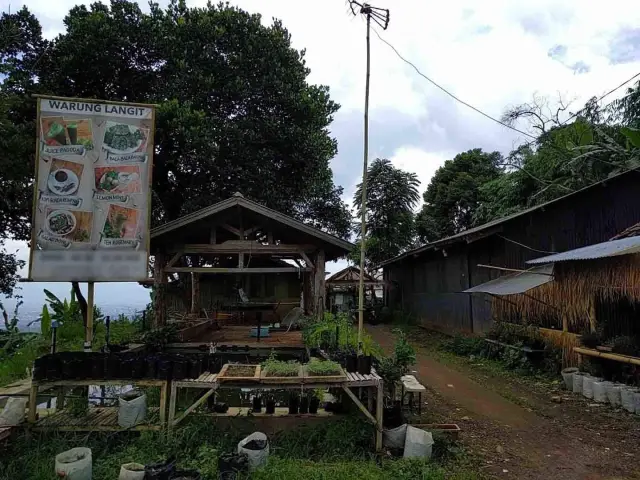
[600, 391]
[14, 412]
[132, 411]
[74, 464]
[627, 398]
[567, 376]
[636, 398]
[613, 393]
[131, 471]
[587, 385]
[394, 437]
[418, 443]
[577, 381]
[257, 455]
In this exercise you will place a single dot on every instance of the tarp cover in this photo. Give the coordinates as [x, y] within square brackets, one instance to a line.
[514, 283]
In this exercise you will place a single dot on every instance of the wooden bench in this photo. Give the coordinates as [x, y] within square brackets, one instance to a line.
[411, 386]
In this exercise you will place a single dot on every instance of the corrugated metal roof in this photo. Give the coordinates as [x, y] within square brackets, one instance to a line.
[497, 222]
[515, 282]
[612, 248]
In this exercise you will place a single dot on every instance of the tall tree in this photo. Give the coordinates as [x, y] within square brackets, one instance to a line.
[453, 196]
[392, 194]
[236, 112]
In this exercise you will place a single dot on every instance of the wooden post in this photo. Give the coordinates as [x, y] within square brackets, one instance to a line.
[163, 401]
[159, 284]
[592, 313]
[307, 295]
[172, 404]
[319, 284]
[379, 410]
[88, 331]
[195, 293]
[33, 402]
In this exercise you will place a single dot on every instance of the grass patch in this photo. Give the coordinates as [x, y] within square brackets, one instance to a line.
[322, 368]
[339, 449]
[279, 368]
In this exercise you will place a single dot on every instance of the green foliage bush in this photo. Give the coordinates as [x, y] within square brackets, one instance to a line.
[318, 332]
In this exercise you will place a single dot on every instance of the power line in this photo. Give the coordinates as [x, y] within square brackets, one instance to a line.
[448, 92]
[433, 82]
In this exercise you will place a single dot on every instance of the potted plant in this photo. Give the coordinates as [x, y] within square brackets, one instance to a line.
[270, 406]
[294, 403]
[364, 364]
[314, 401]
[257, 404]
[304, 404]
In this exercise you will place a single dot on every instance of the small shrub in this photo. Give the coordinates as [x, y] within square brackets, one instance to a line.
[465, 345]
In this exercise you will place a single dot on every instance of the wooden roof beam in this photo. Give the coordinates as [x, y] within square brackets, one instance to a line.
[291, 269]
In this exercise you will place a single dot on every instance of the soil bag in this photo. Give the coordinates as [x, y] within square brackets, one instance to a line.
[131, 471]
[587, 385]
[627, 398]
[567, 376]
[577, 381]
[256, 448]
[13, 412]
[418, 443]
[74, 464]
[133, 409]
[636, 399]
[394, 437]
[613, 393]
[600, 392]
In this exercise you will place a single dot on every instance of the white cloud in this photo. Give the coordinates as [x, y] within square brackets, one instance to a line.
[421, 162]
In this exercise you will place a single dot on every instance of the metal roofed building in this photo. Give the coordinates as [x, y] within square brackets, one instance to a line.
[431, 278]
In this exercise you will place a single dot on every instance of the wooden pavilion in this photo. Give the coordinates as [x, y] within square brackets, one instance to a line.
[242, 249]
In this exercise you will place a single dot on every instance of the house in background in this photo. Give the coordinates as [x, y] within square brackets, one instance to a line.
[342, 289]
[431, 278]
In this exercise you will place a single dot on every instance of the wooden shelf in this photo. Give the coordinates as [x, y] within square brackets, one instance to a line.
[97, 419]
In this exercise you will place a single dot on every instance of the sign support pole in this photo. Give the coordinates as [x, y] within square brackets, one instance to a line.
[89, 328]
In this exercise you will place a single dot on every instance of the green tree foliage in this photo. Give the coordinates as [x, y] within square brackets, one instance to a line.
[453, 196]
[236, 112]
[392, 194]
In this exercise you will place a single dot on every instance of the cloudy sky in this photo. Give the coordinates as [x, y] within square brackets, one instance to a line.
[492, 54]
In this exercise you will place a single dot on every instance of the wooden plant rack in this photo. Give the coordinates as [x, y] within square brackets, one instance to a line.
[296, 380]
[223, 376]
[338, 378]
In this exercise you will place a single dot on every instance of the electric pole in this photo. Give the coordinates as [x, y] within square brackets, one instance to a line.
[381, 18]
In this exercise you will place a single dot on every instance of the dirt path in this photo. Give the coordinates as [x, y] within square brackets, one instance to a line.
[535, 438]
